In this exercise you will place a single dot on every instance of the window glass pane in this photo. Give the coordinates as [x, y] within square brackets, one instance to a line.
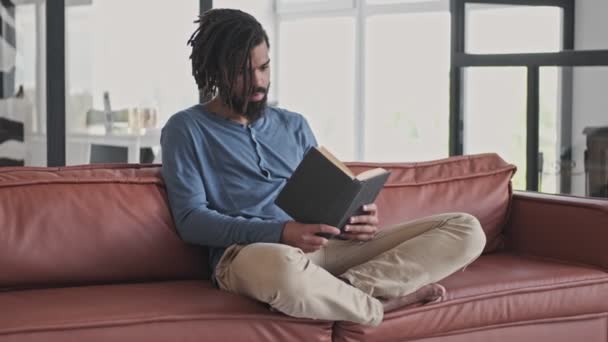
[378, 2]
[301, 1]
[316, 5]
[549, 126]
[22, 96]
[262, 10]
[590, 131]
[407, 87]
[495, 115]
[512, 29]
[321, 7]
[135, 67]
[577, 153]
[591, 25]
[316, 78]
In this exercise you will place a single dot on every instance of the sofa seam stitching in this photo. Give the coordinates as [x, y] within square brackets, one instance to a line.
[445, 180]
[170, 318]
[519, 323]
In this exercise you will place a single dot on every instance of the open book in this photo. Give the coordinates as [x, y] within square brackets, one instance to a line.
[323, 190]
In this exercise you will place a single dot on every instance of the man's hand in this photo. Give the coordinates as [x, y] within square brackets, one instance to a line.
[363, 227]
[304, 236]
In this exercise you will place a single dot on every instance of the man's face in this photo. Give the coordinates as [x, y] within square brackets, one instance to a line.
[259, 82]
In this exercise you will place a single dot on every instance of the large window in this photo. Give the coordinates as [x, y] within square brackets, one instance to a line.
[494, 111]
[406, 86]
[523, 89]
[371, 76]
[495, 98]
[316, 77]
[125, 68]
[587, 172]
[127, 72]
[512, 29]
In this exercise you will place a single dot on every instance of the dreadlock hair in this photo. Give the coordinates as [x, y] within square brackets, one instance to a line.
[221, 48]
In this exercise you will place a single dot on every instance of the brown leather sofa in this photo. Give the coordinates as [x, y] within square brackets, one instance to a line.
[90, 253]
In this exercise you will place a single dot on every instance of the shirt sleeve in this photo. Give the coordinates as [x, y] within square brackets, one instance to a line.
[195, 222]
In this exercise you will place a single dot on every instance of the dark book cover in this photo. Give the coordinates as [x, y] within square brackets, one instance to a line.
[323, 190]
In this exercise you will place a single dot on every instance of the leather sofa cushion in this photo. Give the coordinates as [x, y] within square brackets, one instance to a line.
[160, 311]
[586, 328]
[89, 224]
[477, 184]
[495, 291]
[560, 227]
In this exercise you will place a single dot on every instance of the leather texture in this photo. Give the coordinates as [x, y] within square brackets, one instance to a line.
[91, 224]
[587, 328]
[159, 311]
[497, 291]
[108, 229]
[560, 227]
[476, 184]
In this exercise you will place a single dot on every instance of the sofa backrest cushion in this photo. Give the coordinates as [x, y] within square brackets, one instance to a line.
[476, 184]
[89, 224]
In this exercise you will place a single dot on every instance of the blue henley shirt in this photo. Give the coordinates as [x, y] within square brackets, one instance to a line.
[222, 177]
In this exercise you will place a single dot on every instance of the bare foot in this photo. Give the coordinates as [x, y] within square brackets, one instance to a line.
[429, 293]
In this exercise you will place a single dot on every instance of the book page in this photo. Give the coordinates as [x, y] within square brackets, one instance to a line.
[370, 173]
[335, 161]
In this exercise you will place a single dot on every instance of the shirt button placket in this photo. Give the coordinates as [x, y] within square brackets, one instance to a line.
[264, 171]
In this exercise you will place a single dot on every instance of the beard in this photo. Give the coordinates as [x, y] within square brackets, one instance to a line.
[254, 109]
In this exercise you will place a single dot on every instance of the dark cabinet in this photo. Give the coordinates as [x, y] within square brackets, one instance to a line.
[596, 161]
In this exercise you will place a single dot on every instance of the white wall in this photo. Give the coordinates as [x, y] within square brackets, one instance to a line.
[590, 100]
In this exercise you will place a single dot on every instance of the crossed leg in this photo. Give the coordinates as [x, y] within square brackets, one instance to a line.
[399, 261]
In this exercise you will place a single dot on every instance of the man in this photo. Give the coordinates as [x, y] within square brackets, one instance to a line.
[224, 163]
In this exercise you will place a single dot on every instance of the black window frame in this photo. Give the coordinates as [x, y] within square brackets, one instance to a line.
[568, 57]
[56, 81]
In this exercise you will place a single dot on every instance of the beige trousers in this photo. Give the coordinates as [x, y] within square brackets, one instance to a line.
[398, 261]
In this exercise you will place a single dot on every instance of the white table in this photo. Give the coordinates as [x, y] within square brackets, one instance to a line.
[78, 145]
[134, 142]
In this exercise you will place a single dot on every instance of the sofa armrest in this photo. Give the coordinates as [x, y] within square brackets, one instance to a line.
[572, 229]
